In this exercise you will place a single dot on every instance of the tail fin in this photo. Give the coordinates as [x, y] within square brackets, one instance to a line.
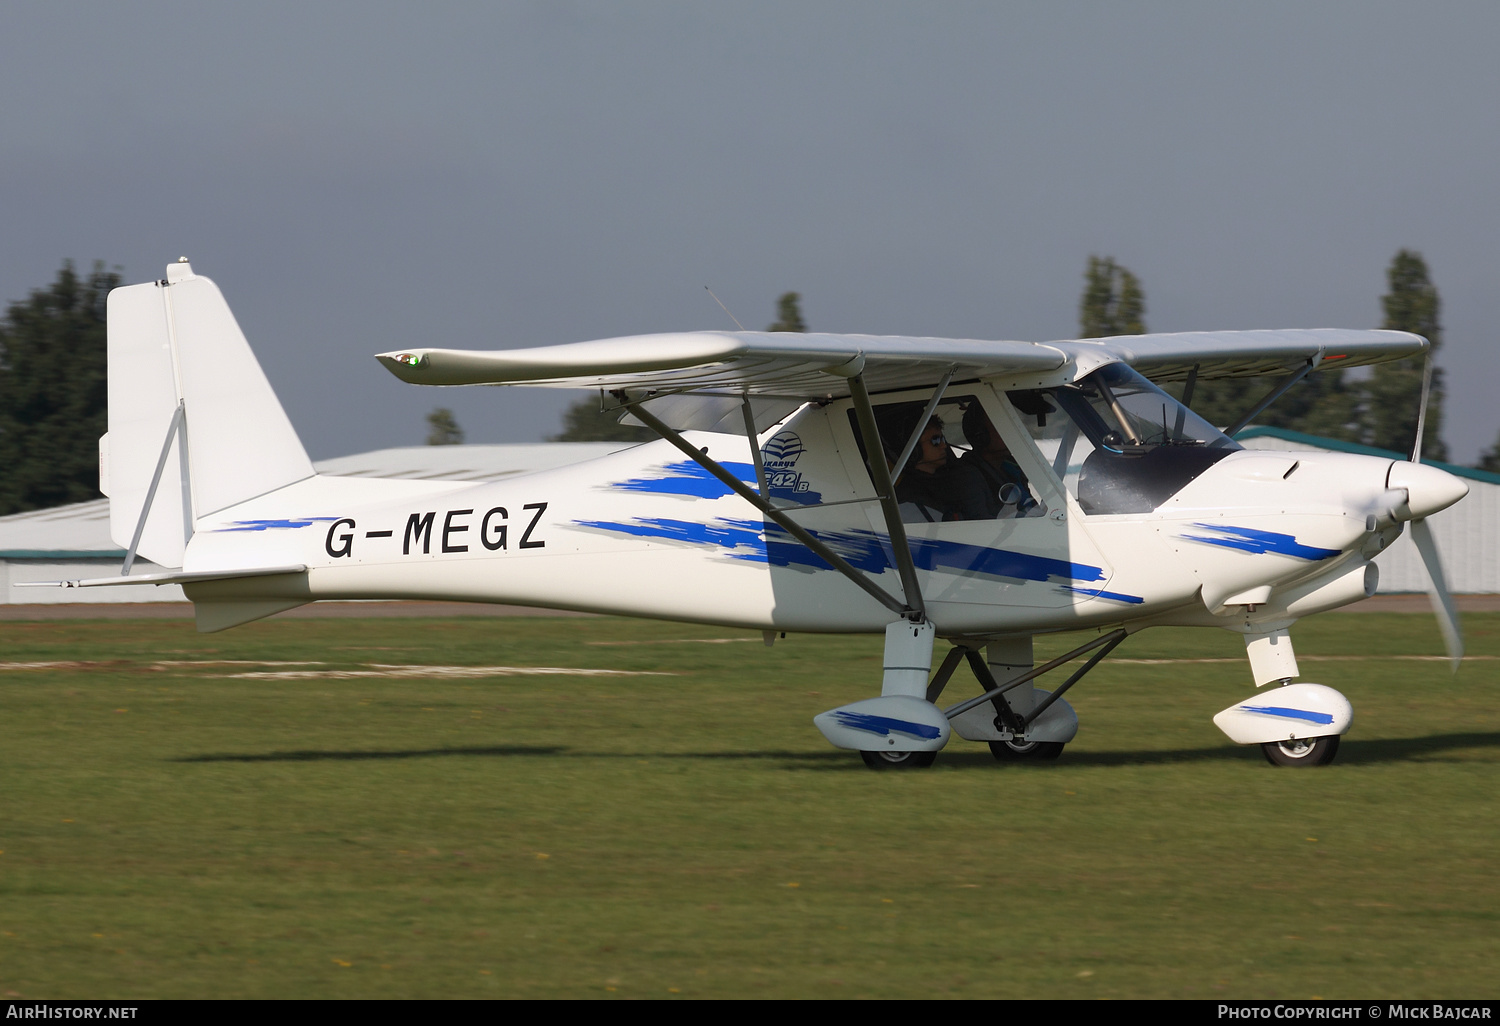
[193, 424]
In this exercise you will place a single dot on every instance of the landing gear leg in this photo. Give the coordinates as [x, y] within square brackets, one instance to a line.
[1294, 724]
[901, 729]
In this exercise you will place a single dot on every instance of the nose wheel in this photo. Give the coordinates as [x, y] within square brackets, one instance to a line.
[1312, 751]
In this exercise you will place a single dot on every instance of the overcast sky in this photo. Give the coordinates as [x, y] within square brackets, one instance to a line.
[364, 177]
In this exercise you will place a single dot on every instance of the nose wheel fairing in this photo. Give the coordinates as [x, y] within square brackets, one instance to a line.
[1293, 712]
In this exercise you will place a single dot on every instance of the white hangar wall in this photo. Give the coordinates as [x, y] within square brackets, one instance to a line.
[67, 543]
[1467, 533]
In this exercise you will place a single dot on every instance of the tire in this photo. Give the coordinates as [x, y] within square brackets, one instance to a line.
[898, 760]
[1031, 751]
[1314, 751]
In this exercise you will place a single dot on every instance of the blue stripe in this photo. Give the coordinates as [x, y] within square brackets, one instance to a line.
[273, 525]
[760, 542]
[1291, 714]
[883, 725]
[1248, 539]
[1101, 593]
[689, 479]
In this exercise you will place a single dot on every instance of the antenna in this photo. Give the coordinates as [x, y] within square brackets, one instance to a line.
[732, 317]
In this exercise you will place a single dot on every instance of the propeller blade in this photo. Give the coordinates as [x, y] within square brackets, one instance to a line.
[1437, 589]
[1416, 445]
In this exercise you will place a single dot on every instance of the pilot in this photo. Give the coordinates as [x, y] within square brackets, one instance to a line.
[1006, 492]
[935, 485]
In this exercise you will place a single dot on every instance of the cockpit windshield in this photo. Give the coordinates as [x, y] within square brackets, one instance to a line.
[1121, 445]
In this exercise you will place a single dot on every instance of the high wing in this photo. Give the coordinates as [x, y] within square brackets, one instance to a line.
[708, 372]
[703, 377]
[1240, 354]
[807, 366]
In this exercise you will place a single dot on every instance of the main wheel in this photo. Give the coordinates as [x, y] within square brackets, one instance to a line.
[1313, 751]
[1009, 751]
[898, 760]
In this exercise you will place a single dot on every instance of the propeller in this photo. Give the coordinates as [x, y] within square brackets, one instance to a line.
[1426, 494]
[1437, 590]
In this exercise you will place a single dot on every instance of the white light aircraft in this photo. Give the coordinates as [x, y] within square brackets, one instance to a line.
[810, 483]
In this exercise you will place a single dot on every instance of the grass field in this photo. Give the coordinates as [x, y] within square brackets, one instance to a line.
[170, 829]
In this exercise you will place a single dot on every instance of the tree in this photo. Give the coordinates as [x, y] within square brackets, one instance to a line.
[585, 421]
[53, 391]
[1490, 458]
[788, 313]
[1394, 391]
[1320, 404]
[1112, 303]
[443, 429]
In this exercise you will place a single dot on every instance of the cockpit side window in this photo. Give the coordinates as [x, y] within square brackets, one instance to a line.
[1119, 443]
[960, 468]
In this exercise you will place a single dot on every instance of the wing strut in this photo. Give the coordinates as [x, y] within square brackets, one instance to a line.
[763, 504]
[754, 439]
[1275, 394]
[875, 458]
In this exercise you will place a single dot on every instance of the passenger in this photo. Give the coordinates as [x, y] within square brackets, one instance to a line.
[935, 486]
[1006, 491]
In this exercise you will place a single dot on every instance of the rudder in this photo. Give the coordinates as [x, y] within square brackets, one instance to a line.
[188, 402]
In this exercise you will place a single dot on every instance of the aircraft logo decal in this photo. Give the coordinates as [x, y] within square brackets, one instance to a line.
[779, 458]
[1248, 539]
[782, 450]
[759, 542]
[1291, 714]
[884, 725]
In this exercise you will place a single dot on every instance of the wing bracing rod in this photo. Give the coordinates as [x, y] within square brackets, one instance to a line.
[911, 443]
[733, 483]
[1275, 394]
[1111, 639]
[161, 464]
